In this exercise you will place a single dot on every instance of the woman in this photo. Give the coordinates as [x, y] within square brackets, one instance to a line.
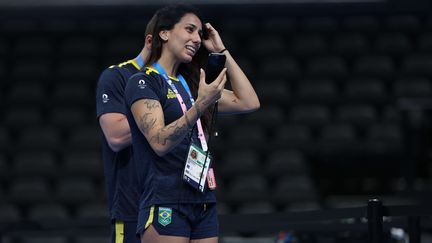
[166, 102]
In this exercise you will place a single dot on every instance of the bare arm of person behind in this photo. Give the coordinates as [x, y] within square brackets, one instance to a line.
[242, 98]
[115, 128]
[149, 117]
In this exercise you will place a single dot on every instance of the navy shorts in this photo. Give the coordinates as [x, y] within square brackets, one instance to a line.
[194, 221]
[124, 232]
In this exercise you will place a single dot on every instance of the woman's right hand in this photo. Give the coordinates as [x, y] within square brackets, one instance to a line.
[209, 93]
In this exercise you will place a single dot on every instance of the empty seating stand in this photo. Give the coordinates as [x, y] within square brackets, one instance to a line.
[328, 87]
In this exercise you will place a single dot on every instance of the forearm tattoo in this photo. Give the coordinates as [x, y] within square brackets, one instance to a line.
[198, 109]
[175, 132]
[189, 124]
[172, 132]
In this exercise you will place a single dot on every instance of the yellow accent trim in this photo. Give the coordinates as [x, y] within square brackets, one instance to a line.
[150, 69]
[150, 219]
[135, 64]
[119, 231]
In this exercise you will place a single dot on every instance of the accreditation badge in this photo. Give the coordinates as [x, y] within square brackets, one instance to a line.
[196, 167]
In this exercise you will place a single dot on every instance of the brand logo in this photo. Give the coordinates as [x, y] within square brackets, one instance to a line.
[142, 84]
[171, 94]
[105, 98]
[165, 215]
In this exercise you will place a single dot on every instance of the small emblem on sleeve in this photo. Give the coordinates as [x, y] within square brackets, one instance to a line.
[105, 98]
[142, 84]
[164, 216]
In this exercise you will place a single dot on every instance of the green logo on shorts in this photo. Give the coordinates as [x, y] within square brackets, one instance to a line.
[165, 215]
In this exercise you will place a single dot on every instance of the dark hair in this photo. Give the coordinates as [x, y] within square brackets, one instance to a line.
[166, 18]
[150, 26]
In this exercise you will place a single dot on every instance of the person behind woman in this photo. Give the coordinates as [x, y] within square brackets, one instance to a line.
[166, 102]
[120, 177]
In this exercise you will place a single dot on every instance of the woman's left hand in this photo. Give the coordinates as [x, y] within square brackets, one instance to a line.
[214, 42]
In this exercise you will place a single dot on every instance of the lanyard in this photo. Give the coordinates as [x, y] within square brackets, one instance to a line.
[161, 71]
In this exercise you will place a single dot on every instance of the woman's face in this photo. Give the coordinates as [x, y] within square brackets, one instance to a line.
[184, 39]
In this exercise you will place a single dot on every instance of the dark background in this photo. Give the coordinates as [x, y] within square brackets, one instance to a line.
[344, 91]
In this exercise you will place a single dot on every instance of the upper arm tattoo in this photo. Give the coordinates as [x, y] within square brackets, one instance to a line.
[147, 121]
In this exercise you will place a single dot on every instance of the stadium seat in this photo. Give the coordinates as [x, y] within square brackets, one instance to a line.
[4, 47]
[313, 115]
[361, 23]
[246, 188]
[357, 114]
[326, 67]
[248, 136]
[293, 136]
[350, 44]
[391, 114]
[92, 211]
[285, 162]
[394, 44]
[273, 91]
[4, 137]
[374, 67]
[424, 42]
[323, 24]
[268, 116]
[26, 93]
[383, 137]
[406, 23]
[256, 207]
[28, 190]
[28, 69]
[412, 87]
[417, 65]
[279, 68]
[123, 47]
[39, 137]
[67, 70]
[30, 163]
[9, 213]
[239, 26]
[79, 46]
[309, 45]
[71, 93]
[283, 26]
[372, 90]
[84, 137]
[23, 117]
[76, 190]
[239, 162]
[294, 189]
[21, 25]
[275, 45]
[303, 206]
[66, 117]
[33, 46]
[82, 163]
[48, 212]
[43, 239]
[338, 138]
[92, 239]
[324, 90]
